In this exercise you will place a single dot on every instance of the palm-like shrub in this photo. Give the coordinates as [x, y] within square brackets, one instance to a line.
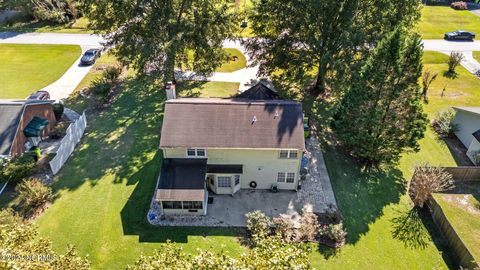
[427, 180]
[453, 61]
[32, 195]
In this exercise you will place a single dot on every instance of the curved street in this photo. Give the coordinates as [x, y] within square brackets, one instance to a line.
[246, 76]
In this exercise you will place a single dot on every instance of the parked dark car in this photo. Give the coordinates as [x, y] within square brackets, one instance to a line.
[460, 35]
[40, 95]
[90, 56]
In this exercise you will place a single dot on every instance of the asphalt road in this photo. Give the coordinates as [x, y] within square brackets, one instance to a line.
[73, 76]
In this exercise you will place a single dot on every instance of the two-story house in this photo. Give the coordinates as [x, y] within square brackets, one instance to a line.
[224, 145]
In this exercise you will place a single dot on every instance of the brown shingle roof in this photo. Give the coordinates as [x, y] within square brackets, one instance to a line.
[227, 123]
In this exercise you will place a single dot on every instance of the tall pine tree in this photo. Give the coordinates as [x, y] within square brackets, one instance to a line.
[381, 114]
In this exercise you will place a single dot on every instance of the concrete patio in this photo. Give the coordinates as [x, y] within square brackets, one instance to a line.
[316, 194]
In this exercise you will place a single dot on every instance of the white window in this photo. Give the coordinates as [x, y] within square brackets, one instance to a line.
[190, 152]
[281, 177]
[200, 152]
[293, 154]
[285, 177]
[194, 152]
[224, 181]
[284, 153]
[290, 177]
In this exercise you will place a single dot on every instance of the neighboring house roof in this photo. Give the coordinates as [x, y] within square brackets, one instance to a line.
[232, 123]
[258, 92]
[475, 110]
[476, 135]
[11, 112]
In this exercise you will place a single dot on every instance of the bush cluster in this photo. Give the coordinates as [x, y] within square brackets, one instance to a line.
[17, 169]
[33, 194]
[459, 5]
[58, 109]
[306, 229]
[102, 86]
[443, 123]
[333, 232]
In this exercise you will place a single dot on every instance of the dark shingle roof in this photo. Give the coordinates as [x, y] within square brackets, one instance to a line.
[183, 173]
[229, 123]
[11, 112]
[258, 92]
[10, 116]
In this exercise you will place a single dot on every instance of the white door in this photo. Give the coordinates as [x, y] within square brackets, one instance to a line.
[236, 183]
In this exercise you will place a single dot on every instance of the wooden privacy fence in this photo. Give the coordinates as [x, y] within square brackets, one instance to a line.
[67, 145]
[463, 254]
[464, 174]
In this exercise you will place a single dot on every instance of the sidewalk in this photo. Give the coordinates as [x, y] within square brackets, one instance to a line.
[64, 86]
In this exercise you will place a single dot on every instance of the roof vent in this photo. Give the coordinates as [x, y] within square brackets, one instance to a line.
[254, 119]
[276, 115]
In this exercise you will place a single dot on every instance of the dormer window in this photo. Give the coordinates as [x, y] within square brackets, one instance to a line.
[291, 154]
[196, 152]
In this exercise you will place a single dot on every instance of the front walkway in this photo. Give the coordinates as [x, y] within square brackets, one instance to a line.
[316, 194]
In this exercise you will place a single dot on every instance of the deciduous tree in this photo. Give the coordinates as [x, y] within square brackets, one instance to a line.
[381, 114]
[322, 38]
[22, 249]
[157, 36]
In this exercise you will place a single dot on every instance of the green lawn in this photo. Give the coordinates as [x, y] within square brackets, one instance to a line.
[436, 20]
[231, 65]
[28, 68]
[461, 91]
[466, 223]
[476, 55]
[20, 24]
[106, 187]
[207, 89]
[75, 101]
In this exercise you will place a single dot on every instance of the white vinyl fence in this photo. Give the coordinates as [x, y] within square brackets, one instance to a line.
[68, 143]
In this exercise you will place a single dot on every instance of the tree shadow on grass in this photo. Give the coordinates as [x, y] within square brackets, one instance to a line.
[118, 140]
[408, 227]
[450, 75]
[134, 213]
[361, 196]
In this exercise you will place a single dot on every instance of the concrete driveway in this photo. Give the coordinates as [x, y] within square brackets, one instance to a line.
[66, 84]
[63, 87]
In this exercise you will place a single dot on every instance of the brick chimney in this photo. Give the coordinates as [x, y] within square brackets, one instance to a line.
[170, 91]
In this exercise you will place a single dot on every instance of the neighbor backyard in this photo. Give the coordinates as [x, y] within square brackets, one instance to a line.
[27, 68]
[437, 20]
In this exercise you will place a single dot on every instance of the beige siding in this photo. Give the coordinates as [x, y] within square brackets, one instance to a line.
[261, 166]
[467, 123]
